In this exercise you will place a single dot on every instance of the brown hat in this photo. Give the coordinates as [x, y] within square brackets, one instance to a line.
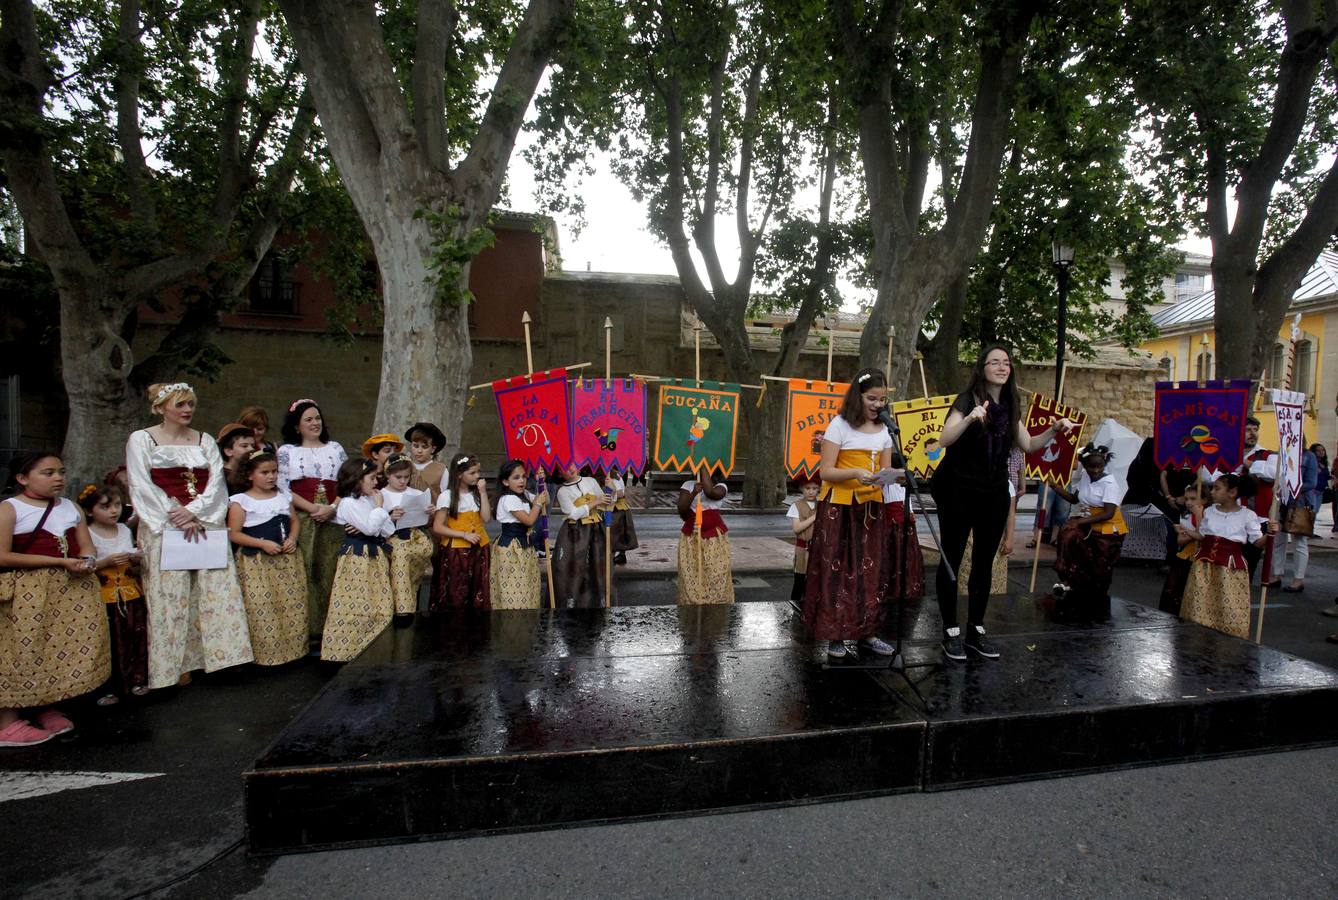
[232, 429]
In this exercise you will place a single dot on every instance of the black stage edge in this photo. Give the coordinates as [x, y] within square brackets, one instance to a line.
[481, 723]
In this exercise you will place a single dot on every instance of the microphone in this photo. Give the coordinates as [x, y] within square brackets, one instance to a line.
[888, 421]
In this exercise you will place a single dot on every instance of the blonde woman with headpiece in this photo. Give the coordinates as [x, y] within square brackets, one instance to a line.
[196, 617]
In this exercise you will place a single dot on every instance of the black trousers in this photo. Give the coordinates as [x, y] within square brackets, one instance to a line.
[960, 513]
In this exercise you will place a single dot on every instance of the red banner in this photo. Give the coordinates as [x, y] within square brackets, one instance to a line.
[1053, 463]
[536, 418]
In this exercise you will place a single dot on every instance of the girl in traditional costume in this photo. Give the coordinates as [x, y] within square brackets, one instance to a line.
[362, 602]
[462, 512]
[196, 617]
[1218, 592]
[308, 467]
[578, 554]
[705, 568]
[515, 565]
[847, 558]
[53, 633]
[425, 442]
[410, 548]
[263, 523]
[803, 513]
[1090, 541]
[122, 595]
[623, 531]
[1177, 571]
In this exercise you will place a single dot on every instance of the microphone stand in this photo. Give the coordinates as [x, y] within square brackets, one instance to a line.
[897, 664]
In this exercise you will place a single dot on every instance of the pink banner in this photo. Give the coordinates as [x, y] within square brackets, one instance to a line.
[609, 424]
[536, 418]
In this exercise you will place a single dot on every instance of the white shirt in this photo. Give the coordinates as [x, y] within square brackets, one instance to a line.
[143, 453]
[124, 542]
[1266, 468]
[707, 502]
[260, 511]
[507, 506]
[309, 462]
[363, 514]
[617, 484]
[568, 494]
[391, 499]
[843, 434]
[64, 516]
[896, 493]
[1094, 495]
[468, 502]
[793, 511]
[1241, 526]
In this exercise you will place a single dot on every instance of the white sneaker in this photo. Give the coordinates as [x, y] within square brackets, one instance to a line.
[879, 646]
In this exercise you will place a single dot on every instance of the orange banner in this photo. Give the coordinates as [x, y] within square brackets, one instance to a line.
[809, 406]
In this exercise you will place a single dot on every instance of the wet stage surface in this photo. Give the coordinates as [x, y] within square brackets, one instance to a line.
[514, 720]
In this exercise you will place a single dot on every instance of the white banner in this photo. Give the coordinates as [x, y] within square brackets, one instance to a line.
[1290, 409]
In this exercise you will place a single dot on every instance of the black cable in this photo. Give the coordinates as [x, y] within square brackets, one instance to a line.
[191, 874]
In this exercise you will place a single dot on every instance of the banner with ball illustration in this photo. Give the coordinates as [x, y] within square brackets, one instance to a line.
[696, 426]
[536, 418]
[1201, 424]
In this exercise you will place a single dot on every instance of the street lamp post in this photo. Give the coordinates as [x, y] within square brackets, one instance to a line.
[1063, 259]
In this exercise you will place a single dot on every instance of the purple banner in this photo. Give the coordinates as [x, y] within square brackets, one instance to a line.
[610, 424]
[1201, 425]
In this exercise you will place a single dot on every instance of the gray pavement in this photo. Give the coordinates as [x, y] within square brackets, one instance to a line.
[1243, 827]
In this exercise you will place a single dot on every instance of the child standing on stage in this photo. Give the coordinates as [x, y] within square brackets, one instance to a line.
[380, 447]
[901, 526]
[1177, 572]
[53, 635]
[361, 603]
[1090, 541]
[802, 514]
[847, 561]
[1218, 592]
[578, 553]
[263, 523]
[622, 534]
[410, 548]
[235, 443]
[515, 566]
[462, 511]
[122, 595]
[425, 442]
[705, 570]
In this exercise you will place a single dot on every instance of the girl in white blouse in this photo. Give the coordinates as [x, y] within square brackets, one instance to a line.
[1090, 541]
[410, 548]
[578, 554]
[515, 566]
[262, 522]
[361, 603]
[463, 509]
[1218, 592]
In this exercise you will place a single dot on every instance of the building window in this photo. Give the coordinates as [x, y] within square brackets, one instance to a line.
[1303, 375]
[1187, 285]
[273, 290]
[1203, 366]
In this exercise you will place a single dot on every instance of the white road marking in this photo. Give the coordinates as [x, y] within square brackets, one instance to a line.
[24, 785]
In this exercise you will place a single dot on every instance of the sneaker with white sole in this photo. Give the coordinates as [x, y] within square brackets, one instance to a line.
[836, 649]
[21, 734]
[952, 644]
[976, 643]
[1332, 611]
[879, 646]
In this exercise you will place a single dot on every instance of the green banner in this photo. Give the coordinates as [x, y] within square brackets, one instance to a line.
[696, 426]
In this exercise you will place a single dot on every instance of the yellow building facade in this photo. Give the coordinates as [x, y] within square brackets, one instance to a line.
[1187, 349]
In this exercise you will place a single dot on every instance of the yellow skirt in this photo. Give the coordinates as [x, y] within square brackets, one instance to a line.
[410, 563]
[1218, 597]
[709, 581]
[361, 605]
[515, 577]
[274, 590]
[53, 636]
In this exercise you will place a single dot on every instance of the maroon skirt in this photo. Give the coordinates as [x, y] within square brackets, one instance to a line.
[1086, 562]
[463, 579]
[847, 575]
[915, 558]
[129, 626]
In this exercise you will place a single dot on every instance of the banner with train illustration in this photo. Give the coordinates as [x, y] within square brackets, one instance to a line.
[921, 422]
[609, 424]
[696, 426]
[809, 406]
[1201, 425]
[536, 418]
[1053, 463]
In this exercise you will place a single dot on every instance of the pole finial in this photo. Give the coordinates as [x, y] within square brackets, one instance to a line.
[525, 317]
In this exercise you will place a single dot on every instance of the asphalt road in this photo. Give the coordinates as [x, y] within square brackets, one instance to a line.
[1244, 827]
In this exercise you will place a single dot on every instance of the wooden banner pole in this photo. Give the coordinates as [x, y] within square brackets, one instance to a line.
[1042, 498]
[529, 351]
[608, 529]
[924, 384]
[891, 337]
[831, 346]
[697, 351]
[572, 367]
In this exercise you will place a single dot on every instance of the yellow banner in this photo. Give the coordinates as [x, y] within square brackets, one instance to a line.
[920, 423]
[809, 406]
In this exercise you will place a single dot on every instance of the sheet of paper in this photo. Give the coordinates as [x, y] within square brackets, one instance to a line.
[415, 511]
[209, 552]
[889, 476]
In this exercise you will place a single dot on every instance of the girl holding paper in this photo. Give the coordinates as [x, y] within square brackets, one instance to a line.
[197, 619]
[705, 572]
[848, 569]
[578, 554]
[410, 547]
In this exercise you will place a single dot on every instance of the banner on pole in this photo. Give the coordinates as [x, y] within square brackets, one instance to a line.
[609, 424]
[809, 406]
[1290, 409]
[921, 422]
[696, 426]
[1053, 463]
[536, 418]
[1201, 426]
